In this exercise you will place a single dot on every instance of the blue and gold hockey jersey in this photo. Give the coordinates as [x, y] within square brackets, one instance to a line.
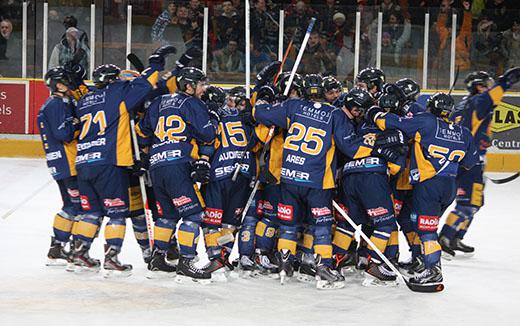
[314, 130]
[475, 113]
[176, 123]
[105, 137]
[438, 148]
[233, 139]
[55, 121]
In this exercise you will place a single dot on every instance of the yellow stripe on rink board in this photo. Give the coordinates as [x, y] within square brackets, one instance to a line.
[162, 234]
[62, 224]
[21, 148]
[115, 231]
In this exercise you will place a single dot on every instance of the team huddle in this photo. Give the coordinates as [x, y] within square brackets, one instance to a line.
[287, 174]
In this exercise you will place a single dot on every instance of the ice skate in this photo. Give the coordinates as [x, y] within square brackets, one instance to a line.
[147, 254]
[307, 269]
[361, 265]
[416, 267]
[219, 267]
[447, 252]
[81, 261]
[286, 265]
[172, 255]
[112, 265]
[57, 255]
[430, 280]
[379, 275]
[457, 245]
[247, 267]
[160, 267]
[188, 273]
[266, 265]
[328, 278]
[345, 263]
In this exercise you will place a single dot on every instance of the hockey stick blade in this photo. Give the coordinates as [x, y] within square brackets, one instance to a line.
[425, 288]
[505, 180]
[135, 61]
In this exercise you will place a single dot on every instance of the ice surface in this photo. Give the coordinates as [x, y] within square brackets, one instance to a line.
[481, 290]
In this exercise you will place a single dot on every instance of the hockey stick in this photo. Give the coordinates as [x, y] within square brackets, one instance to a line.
[135, 61]
[505, 180]
[21, 203]
[413, 287]
[144, 197]
[271, 130]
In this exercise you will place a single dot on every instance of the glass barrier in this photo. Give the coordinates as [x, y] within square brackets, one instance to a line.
[68, 39]
[11, 39]
[111, 32]
[439, 47]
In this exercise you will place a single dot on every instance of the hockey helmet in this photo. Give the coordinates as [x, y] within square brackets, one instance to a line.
[190, 76]
[441, 105]
[215, 95]
[477, 78]
[371, 77]
[54, 76]
[313, 85]
[297, 83]
[409, 87]
[359, 99]
[105, 74]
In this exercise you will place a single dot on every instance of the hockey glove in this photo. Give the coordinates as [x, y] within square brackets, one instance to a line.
[139, 168]
[389, 154]
[213, 112]
[389, 138]
[200, 171]
[247, 115]
[156, 60]
[509, 78]
[370, 114]
[267, 93]
[188, 56]
[268, 73]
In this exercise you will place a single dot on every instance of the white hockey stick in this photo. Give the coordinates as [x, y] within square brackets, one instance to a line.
[21, 203]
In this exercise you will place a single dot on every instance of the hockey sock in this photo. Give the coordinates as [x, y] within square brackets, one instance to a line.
[323, 243]
[308, 240]
[288, 238]
[140, 231]
[453, 221]
[62, 226]
[414, 242]
[188, 235]
[115, 232]
[265, 234]
[88, 227]
[342, 238]
[211, 236]
[227, 238]
[162, 232]
[392, 246]
[380, 238]
[431, 249]
[246, 238]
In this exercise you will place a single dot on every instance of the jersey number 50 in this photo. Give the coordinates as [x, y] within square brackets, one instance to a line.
[443, 154]
[312, 142]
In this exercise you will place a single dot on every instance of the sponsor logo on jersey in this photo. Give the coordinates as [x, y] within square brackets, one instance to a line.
[319, 114]
[172, 101]
[373, 212]
[295, 175]
[367, 162]
[169, 155]
[449, 132]
[260, 207]
[226, 170]
[398, 206]
[94, 143]
[88, 157]
[92, 99]
[116, 202]
[85, 205]
[285, 212]
[181, 201]
[159, 208]
[238, 211]
[53, 156]
[428, 223]
[338, 215]
[74, 193]
[320, 211]
[213, 216]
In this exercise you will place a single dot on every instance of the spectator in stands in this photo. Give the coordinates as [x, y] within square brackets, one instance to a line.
[259, 58]
[298, 19]
[70, 49]
[196, 10]
[71, 21]
[499, 14]
[388, 7]
[463, 40]
[228, 24]
[6, 28]
[11, 9]
[259, 19]
[441, 34]
[228, 59]
[399, 30]
[168, 16]
[486, 51]
[338, 31]
[326, 14]
[511, 44]
[316, 59]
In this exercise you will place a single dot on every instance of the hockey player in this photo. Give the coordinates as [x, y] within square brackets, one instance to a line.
[58, 129]
[411, 89]
[332, 90]
[224, 197]
[104, 155]
[439, 148]
[475, 113]
[372, 79]
[366, 190]
[314, 129]
[178, 123]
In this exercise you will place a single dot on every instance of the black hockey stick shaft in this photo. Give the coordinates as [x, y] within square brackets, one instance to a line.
[505, 180]
[135, 61]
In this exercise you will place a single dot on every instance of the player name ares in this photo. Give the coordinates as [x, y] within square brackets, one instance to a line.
[53, 155]
[300, 160]
[166, 155]
[94, 143]
[293, 174]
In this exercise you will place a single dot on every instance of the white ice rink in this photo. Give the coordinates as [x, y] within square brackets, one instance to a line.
[482, 290]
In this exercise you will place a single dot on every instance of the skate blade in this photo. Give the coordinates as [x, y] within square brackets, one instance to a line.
[304, 278]
[465, 255]
[326, 285]
[447, 256]
[371, 281]
[71, 268]
[348, 270]
[159, 275]
[219, 276]
[109, 273]
[181, 279]
[51, 262]
[248, 274]
[284, 279]
[86, 270]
